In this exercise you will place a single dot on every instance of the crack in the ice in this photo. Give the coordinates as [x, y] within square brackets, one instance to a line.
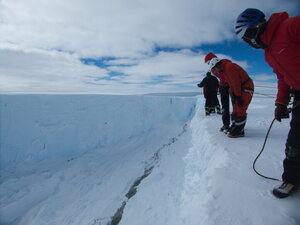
[149, 166]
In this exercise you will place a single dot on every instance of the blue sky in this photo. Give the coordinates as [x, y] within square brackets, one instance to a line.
[236, 49]
[241, 51]
[122, 46]
[252, 59]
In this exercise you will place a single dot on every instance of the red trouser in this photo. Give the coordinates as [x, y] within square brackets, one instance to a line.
[242, 110]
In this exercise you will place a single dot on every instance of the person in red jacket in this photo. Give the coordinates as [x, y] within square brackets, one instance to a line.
[224, 92]
[241, 90]
[279, 37]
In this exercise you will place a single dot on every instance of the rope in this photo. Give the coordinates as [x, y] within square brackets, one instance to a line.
[253, 166]
[267, 95]
[263, 147]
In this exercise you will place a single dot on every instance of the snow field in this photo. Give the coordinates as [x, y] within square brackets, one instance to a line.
[198, 176]
[113, 139]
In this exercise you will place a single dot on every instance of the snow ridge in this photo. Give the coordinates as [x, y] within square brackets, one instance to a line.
[220, 185]
[203, 159]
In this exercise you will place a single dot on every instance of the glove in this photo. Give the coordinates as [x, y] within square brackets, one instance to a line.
[239, 100]
[281, 112]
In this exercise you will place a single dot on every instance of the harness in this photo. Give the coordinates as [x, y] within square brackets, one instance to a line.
[246, 81]
[247, 89]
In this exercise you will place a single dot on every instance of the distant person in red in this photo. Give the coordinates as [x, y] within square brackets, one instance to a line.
[279, 37]
[241, 89]
[224, 92]
[210, 85]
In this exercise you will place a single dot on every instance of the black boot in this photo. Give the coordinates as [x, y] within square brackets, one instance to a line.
[238, 129]
[225, 129]
[207, 111]
[285, 190]
[233, 118]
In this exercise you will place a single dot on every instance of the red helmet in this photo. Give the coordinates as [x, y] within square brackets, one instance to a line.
[209, 56]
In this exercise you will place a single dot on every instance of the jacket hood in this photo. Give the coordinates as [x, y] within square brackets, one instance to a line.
[273, 23]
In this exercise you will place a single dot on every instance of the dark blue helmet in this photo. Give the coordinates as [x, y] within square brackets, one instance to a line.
[248, 19]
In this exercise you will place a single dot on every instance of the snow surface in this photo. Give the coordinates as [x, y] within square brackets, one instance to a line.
[107, 160]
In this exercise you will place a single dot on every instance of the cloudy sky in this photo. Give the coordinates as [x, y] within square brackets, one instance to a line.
[122, 46]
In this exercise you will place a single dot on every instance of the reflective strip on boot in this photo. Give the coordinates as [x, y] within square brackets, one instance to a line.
[239, 123]
[237, 130]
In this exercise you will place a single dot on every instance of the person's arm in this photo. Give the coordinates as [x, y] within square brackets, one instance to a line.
[282, 99]
[283, 91]
[202, 83]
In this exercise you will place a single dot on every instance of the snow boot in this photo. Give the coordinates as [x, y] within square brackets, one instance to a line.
[237, 130]
[207, 111]
[236, 135]
[284, 190]
[233, 118]
[225, 129]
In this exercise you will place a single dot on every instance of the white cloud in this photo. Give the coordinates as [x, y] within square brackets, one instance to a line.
[265, 77]
[182, 62]
[38, 70]
[42, 41]
[43, 71]
[122, 27]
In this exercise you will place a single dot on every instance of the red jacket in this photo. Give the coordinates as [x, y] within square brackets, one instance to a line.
[282, 36]
[221, 76]
[236, 77]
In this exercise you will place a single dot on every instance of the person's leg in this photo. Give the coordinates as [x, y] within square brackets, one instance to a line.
[224, 91]
[216, 103]
[291, 163]
[212, 102]
[207, 104]
[241, 116]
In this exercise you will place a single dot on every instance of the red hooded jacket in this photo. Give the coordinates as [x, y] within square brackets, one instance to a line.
[236, 77]
[282, 37]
